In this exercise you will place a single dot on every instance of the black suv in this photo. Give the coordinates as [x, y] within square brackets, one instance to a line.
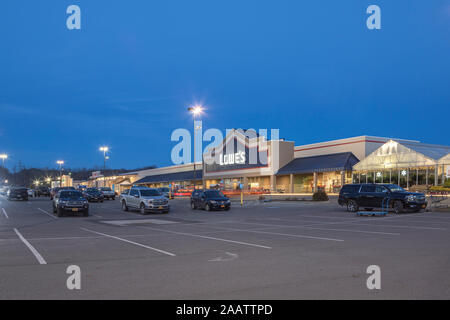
[369, 196]
[17, 193]
[209, 200]
[70, 201]
[43, 191]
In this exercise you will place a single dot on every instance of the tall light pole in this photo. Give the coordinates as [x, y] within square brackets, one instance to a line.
[195, 110]
[104, 150]
[3, 156]
[60, 162]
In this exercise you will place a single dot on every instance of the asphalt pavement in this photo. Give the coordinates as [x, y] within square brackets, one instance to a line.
[271, 250]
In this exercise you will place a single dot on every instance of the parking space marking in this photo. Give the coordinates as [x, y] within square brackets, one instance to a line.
[4, 212]
[396, 226]
[38, 256]
[130, 242]
[47, 213]
[138, 221]
[355, 223]
[210, 238]
[274, 226]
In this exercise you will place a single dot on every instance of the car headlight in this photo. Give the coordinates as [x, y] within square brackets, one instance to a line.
[150, 201]
[213, 201]
[411, 198]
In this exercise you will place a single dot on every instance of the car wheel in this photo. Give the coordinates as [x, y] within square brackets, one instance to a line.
[227, 208]
[124, 206]
[54, 209]
[207, 207]
[193, 206]
[142, 208]
[59, 212]
[86, 213]
[166, 211]
[398, 207]
[113, 198]
[352, 206]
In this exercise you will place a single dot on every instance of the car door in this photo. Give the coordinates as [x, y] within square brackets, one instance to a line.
[367, 196]
[381, 192]
[134, 197]
[201, 200]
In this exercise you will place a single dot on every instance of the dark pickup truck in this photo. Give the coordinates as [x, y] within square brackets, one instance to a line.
[369, 196]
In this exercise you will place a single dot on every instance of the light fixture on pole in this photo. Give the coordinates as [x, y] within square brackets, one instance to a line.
[3, 156]
[60, 162]
[104, 149]
[195, 110]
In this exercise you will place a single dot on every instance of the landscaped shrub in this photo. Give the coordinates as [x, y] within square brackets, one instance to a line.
[320, 196]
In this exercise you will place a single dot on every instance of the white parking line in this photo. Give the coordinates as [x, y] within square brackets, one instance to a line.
[396, 226]
[131, 242]
[210, 238]
[274, 226]
[285, 234]
[47, 213]
[39, 258]
[4, 212]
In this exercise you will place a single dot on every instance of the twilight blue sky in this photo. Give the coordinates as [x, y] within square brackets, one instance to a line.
[310, 68]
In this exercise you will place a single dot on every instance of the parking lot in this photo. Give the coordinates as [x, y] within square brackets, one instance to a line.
[273, 250]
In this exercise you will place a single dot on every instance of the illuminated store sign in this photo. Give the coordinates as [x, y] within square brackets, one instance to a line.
[233, 158]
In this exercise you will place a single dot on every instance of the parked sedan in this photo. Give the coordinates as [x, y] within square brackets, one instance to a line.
[70, 201]
[92, 194]
[209, 200]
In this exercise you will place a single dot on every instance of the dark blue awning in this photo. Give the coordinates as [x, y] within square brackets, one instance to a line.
[329, 162]
[171, 177]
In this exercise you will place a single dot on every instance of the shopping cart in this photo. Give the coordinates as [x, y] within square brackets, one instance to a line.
[384, 209]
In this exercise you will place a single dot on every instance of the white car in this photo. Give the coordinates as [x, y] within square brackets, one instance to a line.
[30, 192]
[107, 193]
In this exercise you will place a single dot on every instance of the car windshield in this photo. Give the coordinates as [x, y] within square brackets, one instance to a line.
[164, 189]
[70, 194]
[105, 189]
[93, 191]
[150, 193]
[395, 188]
[214, 194]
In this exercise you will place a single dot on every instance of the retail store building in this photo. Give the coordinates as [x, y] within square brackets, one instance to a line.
[278, 166]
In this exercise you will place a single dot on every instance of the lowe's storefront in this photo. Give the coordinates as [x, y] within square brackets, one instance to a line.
[278, 166]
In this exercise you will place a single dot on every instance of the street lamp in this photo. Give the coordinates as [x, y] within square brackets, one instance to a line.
[195, 110]
[3, 156]
[104, 150]
[60, 162]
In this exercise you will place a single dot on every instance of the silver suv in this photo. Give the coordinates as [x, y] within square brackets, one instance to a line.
[145, 199]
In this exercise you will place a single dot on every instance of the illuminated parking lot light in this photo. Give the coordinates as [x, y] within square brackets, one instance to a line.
[3, 156]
